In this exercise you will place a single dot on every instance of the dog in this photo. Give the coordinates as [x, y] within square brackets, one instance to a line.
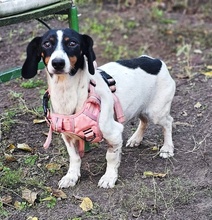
[144, 89]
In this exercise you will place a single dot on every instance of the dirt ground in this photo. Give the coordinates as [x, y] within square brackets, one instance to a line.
[179, 34]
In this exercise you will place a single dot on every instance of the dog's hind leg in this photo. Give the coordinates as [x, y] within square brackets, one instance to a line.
[137, 137]
[113, 156]
[73, 174]
[167, 150]
[160, 114]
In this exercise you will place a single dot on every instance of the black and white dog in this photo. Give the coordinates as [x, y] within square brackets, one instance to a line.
[143, 85]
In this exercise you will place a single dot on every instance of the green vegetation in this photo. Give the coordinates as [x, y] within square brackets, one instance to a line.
[32, 83]
[9, 177]
[31, 160]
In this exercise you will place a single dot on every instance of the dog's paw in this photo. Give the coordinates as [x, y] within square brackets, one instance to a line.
[108, 180]
[134, 141]
[70, 179]
[167, 151]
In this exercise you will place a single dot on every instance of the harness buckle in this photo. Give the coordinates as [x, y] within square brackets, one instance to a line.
[89, 135]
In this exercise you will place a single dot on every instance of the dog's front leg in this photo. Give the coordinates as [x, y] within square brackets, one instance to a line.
[113, 157]
[73, 174]
[110, 177]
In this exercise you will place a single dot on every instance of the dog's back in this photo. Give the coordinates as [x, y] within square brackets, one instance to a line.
[141, 82]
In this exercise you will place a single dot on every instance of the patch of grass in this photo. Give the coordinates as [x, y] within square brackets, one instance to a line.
[51, 201]
[158, 15]
[131, 24]
[7, 119]
[15, 95]
[115, 52]
[184, 52]
[32, 83]
[21, 205]
[3, 211]
[9, 177]
[103, 30]
[158, 195]
[31, 160]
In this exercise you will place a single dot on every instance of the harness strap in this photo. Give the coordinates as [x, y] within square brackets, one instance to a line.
[109, 80]
[81, 146]
[118, 109]
[48, 139]
[112, 85]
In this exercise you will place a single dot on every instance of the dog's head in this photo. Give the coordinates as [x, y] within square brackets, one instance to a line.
[62, 52]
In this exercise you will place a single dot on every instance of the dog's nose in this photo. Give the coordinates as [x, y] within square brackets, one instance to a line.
[58, 63]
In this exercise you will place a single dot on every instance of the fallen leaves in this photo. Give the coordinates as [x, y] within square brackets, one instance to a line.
[32, 218]
[208, 72]
[53, 167]
[183, 124]
[6, 199]
[86, 204]
[59, 193]
[198, 105]
[38, 121]
[29, 196]
[9, 157]
[153, 174]
[10, 149]
[24, 147]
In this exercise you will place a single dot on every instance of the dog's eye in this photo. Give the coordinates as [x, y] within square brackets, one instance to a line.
[72, 44]
[47, 44]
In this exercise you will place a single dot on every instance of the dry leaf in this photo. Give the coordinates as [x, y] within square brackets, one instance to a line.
[86, 204]
[38, 121]
[209, 67]
[49, 198]
[197, 105]
[148, 173]
[53, 166]
[59, 194]
[152, 174]
[155, 148]
[17, 205]
[9, 157]
[162, 175]
[32, 218]
[183, 124]
[182, 76]
[198, 51]
[48, 189]
[29, 196]
[208, 73]
[6, 199]
[24, 147]
[10, 148]
[184, 113]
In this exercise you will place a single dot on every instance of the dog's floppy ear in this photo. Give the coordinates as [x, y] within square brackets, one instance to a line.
[30, 66]
[87, 50]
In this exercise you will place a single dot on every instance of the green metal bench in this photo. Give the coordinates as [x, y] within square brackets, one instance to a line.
[63, 7]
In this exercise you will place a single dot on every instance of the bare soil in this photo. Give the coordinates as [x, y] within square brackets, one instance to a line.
[186, 191]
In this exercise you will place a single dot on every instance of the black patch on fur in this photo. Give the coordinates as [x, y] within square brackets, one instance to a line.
[148, 64]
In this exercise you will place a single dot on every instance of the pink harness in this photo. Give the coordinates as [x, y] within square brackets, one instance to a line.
[83, 124]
